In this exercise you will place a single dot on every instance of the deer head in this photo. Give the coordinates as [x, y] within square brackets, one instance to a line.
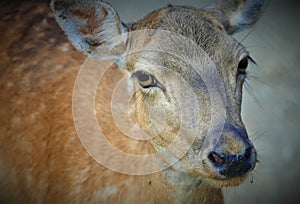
[187, 72]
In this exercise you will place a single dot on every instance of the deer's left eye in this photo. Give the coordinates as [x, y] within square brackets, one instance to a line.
[243, 64]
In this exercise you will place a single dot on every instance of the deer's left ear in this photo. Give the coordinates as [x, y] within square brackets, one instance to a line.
[240, 14]
[93, 27]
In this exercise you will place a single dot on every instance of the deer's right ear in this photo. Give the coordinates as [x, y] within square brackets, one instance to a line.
[241, 14]
[93, 27]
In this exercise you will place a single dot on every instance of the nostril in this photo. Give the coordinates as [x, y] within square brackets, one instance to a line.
[215, 158]
[232, 165]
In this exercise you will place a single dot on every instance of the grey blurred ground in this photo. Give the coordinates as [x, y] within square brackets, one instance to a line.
[273, 121]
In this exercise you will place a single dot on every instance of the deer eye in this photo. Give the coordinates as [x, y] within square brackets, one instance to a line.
[243, 64]
[145, 79]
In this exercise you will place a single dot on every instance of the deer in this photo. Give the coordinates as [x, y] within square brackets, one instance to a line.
[182, 72]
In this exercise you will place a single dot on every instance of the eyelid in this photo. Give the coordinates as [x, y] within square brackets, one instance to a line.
[138, 71]
[135, 74]
[243, 55]
[247, 55]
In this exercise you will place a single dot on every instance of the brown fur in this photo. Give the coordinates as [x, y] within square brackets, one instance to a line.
[41, 157]
[39, 136]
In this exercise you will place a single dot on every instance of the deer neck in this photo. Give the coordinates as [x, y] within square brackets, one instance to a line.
[183, 187]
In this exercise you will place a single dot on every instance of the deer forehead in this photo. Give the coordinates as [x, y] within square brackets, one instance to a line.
[200, 27]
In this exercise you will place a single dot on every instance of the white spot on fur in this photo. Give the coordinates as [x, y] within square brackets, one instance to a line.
[19, 102]
[105, 192]
[77, 190]
[15, 121]
[65, 47]
[82, 175]
[29, 180]
[9, 84]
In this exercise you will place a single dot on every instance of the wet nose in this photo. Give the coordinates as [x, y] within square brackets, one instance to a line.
[235, 164]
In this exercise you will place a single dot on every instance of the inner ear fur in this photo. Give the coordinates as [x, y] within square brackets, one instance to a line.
[92, 26]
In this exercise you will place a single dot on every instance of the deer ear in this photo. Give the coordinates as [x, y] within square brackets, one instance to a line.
[92, 26]
[241, 14]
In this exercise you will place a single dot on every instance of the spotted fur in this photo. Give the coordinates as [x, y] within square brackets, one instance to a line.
[41, 157]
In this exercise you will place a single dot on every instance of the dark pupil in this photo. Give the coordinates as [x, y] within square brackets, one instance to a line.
[143, 76]
[243, 64]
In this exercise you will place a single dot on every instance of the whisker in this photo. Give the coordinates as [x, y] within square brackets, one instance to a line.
[255, 78]
[251, 174]
[250, 91]
[256, 135]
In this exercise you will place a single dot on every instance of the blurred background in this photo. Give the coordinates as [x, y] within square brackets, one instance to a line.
[271, 107]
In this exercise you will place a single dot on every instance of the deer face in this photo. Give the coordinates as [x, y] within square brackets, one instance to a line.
[188, 73]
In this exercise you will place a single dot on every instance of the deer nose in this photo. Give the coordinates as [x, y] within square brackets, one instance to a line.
[233, 165]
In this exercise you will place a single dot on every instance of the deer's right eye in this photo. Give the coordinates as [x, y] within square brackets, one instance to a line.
[145, 79]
